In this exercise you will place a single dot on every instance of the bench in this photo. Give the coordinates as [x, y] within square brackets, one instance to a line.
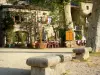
[49, 65]
[81, 53]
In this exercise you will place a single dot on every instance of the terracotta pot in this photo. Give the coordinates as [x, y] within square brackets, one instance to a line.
[43, 45]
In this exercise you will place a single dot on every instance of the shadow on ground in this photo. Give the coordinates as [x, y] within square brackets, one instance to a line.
[13, 71]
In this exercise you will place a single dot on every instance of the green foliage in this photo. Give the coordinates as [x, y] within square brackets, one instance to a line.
[11, 1]
[51, 3]
[20, 37]
[78, 37]
[51, 38]
[78, 0]
[55, 15]
[95, 54]
[66, 73]
[8, 23]
[37, 1]
[62, 34]
[8, 28]
[9, 36]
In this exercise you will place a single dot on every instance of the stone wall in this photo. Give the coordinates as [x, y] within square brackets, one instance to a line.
[86, 8]
[3, 1]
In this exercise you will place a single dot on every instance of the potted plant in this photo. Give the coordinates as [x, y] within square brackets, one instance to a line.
[42, 45]
[78, 37]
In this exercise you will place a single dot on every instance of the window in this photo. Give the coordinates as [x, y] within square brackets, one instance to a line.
[87, 7]
[17, 19]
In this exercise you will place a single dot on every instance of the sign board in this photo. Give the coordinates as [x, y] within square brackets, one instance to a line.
[69, 35]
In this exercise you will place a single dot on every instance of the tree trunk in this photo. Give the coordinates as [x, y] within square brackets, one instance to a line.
[93, 39]
[68, 17]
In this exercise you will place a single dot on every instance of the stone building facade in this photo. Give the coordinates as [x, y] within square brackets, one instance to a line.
[80, 12]
[3, 1]
[25, 15]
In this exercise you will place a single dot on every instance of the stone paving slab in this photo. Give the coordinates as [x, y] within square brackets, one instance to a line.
[13, 60]
[43, 50]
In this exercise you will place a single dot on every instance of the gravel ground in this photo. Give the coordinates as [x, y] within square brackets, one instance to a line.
[14, 63]
[90, 67]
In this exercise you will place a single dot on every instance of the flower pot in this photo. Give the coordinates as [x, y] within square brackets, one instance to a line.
[42, 45]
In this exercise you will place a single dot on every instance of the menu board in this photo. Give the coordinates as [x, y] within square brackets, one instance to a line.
[69, 35]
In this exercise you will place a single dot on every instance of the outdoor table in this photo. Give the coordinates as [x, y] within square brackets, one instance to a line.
[53, 44]
[81, 42]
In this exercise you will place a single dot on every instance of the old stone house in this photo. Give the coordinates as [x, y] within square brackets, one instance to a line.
[26, 18]
[26, 13]
[80, 16]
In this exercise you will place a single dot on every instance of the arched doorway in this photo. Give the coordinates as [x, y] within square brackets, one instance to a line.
[20, 38]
